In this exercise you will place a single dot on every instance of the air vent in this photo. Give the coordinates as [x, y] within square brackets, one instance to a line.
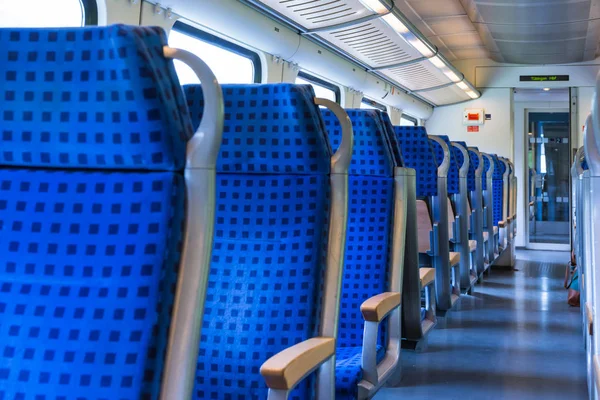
[374, 43]
[417, 76]
[312, 14]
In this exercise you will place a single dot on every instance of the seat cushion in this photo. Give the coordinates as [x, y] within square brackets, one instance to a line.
[348, 371]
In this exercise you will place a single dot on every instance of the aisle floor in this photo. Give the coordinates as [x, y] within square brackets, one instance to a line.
[515, 338]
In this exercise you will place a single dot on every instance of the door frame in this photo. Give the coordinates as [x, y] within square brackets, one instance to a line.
[543, 246]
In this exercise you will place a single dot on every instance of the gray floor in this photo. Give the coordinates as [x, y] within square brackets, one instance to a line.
[515, 338]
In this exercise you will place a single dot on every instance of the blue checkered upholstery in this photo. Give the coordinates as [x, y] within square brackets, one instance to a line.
[370, 219]
[348, 371]
[417, 154]
[498, 188]
[396, 152]
[91, 211]
[453, 176]
[486, 168]
[472, 167]
[270, 237]
[106, 90]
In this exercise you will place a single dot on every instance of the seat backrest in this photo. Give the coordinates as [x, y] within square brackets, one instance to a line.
[393, 141]
[270, 238]
[474, 156]
[94, 132]
[498, 189]
[370, 218]
[486, 168]
[417, 154]
[460, 160]
[453, 185]
[424, 226]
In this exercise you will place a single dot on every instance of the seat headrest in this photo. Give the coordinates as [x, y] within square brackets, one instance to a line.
[417, 154]
[453, 175]
[486, 168]
[460, 160]
[371, 154]
[396, 152]
[499, 168]
[94, 97]
[268, 129]
[473, 165]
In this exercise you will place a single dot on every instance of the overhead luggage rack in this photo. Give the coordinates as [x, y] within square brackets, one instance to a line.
[376, 35]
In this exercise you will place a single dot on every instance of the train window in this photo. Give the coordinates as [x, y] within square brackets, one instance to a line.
[48, 14]
[323, 89]
[229, 62]
[407, 120]
[368, 104]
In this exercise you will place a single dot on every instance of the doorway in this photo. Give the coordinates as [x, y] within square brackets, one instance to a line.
[548, 162]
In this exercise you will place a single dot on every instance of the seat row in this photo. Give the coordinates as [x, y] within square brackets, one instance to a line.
[220, 241]
[585, 235]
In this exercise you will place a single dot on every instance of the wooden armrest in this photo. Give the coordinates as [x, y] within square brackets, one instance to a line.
[454, 258]
[495, 230]
[377, 307]
[501, 224]
[285, 369]
[486, 236]
[590, 318]
[509, 219]
[426, 275]
[531, 203]
[472, 245]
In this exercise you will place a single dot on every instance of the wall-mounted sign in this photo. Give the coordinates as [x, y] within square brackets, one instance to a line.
[544, 78]
[488, 117]
[473, 128]
[473, 116]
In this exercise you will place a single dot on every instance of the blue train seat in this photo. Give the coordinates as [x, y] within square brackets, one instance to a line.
[498, 194]
[369, 267]
[271, 285]
[476, 199]
[94, 133]
[418, 154]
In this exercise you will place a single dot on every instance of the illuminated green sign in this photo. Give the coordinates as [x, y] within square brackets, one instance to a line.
[544, 78]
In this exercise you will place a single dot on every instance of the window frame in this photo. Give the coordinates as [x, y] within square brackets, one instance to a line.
[315, 80]
[209, 38]
[374, 104]
[89, 9]
[410, 118]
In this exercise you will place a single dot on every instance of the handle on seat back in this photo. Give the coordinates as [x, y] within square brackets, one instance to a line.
[203, 147]
[200, 177]
[340, 162]
[445, 165]
[338, 221]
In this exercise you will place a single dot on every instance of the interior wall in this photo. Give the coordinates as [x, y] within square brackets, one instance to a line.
[494, 136]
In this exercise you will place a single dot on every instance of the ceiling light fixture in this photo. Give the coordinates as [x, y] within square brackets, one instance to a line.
[385, 10]
[376, 5]
[546, 89]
